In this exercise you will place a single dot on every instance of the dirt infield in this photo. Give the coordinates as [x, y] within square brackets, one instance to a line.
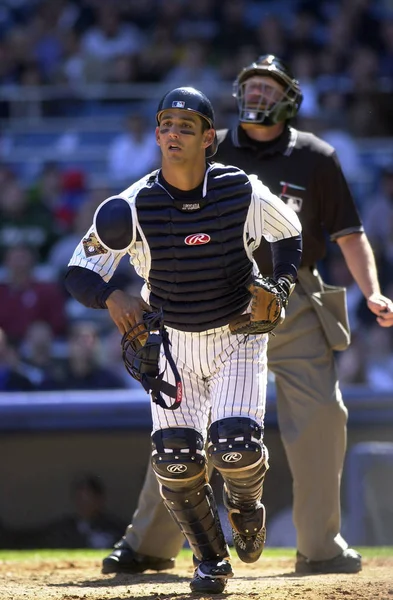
[266, 580]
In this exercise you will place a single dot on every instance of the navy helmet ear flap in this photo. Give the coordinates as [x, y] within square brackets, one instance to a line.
[114, 225]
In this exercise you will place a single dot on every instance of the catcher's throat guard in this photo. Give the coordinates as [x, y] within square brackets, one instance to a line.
[141, 347]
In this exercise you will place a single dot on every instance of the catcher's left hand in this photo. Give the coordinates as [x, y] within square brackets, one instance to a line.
[269, 299]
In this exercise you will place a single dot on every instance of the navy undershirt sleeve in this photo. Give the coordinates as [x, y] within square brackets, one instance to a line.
[88, 287]
[286, 255]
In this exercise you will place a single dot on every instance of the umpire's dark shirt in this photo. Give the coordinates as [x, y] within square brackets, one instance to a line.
[304, 172]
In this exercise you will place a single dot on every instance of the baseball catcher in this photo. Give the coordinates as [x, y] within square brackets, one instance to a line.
[269, 299]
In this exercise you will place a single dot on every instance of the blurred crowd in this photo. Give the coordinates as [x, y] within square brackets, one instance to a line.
[342, 54]
[341, 50]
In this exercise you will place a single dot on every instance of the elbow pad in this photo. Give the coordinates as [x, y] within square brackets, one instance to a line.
[113, 224]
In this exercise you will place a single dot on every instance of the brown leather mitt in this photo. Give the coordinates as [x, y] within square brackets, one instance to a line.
[269, 299]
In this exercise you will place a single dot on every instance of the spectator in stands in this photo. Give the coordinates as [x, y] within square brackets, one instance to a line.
[199, 22]
[270, 36]
[132, 153]
[159, 56]
[37, 352]
[80, 222]
[89, 525]
[194, 68]
[330, 126]
[7, 176]
[378, 214]
[25, 299]
[124, 69]
[47, 42]
[386, 61]
[46, 187]
[110, 38]
[84, 367]
[11, 378]
[72, 69]
[303, 64]
[233, 32]
[24, 222]
[368, 109]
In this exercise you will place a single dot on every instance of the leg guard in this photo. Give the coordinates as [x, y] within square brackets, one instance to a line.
[237, 451]
[179, 463]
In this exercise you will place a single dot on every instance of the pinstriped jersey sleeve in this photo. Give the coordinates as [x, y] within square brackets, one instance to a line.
[90, 254]
[268, 216]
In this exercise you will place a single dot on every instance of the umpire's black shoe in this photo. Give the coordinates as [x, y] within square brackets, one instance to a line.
[349, 561]
[211, 576]
[123, 559]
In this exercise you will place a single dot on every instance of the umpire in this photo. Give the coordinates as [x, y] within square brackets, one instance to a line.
[304, 171]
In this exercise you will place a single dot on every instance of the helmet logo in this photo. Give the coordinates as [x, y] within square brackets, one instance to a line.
[197, 239]
[178, 104]
[176, 468]
[232, 457]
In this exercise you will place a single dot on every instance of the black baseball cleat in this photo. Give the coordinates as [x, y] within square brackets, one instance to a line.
[248, 529]
[349, 561]
[123, 559]
[211, 576]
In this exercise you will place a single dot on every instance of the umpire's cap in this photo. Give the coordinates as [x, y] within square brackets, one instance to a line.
[188, 98]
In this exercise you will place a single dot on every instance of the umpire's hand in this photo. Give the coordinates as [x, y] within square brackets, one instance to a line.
[126, 311]
[383, 308]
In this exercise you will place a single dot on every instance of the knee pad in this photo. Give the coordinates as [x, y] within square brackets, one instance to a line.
[178, 455]
[236, 443]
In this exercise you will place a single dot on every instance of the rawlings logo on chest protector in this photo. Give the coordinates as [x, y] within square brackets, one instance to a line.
[197, 239]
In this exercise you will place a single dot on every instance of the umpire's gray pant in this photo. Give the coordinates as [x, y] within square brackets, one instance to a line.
[312, 420]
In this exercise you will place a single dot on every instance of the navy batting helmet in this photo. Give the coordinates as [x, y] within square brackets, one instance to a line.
[265, 111]
[188, 98]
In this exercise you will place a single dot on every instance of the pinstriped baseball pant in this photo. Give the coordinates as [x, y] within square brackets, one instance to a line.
[223, 375]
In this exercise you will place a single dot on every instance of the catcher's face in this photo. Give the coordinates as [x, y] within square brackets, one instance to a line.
[181, 136]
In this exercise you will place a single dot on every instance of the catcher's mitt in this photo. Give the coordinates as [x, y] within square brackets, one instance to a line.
[269, 299]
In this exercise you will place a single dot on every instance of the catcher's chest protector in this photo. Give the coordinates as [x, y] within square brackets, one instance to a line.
[205, 263]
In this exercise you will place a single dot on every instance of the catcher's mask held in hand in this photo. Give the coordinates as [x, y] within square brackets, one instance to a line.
[141, 347]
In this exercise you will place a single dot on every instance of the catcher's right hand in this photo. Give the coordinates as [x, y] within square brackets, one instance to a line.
[125, 310]
[269, 300]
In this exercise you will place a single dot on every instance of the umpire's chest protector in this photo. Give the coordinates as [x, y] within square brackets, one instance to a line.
[199, 266]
